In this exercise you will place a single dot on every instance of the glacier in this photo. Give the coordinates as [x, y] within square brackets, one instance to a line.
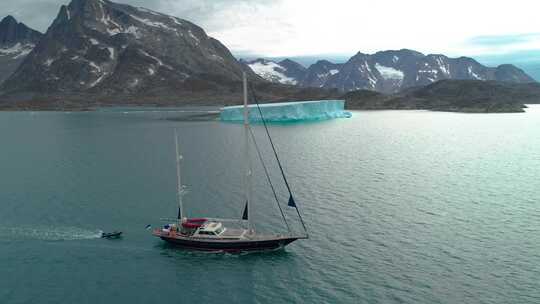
[288, 111]
[389, 72]
[271, 70]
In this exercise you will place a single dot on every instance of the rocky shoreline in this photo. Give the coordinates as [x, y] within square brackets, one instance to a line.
[466, 96]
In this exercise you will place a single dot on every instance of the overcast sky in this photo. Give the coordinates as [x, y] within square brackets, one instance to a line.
[277, 28]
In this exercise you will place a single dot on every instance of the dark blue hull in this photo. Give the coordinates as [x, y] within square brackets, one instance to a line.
[230, 245]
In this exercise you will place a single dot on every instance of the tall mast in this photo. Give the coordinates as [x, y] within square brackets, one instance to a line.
[180, 189]
[247, 179]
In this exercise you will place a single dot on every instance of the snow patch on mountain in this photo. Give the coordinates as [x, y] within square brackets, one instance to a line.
[271, 71]
[216, 57]
[473, 74]
[145, 10]
[111, 52]
[23, 53]
[133, 30]
[197, 41]
[93, 84]
[443, 66]
[389, 72]
[334, 72]
[49, 62]
[17, 50]
[114, 31]
[95, 66]
[112, 27]
[326, 75]
[364, 67]
[372, 81]
[429, 71]
[159, 62]
[176, 20]
[152, 23]
[134, 83]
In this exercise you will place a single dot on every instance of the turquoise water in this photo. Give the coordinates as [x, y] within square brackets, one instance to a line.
[402, 207]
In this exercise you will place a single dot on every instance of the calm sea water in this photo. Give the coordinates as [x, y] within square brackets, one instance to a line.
[402, 207]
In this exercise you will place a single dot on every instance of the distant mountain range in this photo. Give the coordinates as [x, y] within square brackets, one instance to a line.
[16, 42]
[387, 71]
[97, 52]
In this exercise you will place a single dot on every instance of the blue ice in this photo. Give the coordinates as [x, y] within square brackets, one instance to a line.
[289, 111]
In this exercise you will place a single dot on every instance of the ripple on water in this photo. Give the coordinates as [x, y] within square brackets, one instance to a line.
[402, 207]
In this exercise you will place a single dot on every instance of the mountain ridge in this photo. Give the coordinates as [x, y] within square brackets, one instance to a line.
[16, 41]
[13, 31]
[394, 70]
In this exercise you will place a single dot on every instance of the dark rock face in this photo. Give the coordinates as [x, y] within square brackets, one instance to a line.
[293, 69]
[393, 71]
[16, 42]
[13, 32]
[100, 51]
[318, 73]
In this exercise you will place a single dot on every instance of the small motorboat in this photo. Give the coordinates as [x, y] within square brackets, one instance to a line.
[111, 235]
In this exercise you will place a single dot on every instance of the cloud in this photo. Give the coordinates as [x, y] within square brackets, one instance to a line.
[504, 40]
[502, 44]
[279, 28]
[245, 26]
[211, 14]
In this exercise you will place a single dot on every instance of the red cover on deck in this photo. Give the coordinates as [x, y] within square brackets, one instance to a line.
[194, 223]
[196, 220]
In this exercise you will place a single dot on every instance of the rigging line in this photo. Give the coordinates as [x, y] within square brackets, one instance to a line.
[269, 179]
[275, 153]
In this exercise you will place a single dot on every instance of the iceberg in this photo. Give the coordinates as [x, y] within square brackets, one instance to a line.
[288, 111]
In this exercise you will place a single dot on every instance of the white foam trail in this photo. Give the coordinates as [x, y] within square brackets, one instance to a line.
[49, 233]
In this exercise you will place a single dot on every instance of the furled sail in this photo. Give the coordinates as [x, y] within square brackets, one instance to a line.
[291, 203]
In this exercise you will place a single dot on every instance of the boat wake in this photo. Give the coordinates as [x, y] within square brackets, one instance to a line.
[49, 233]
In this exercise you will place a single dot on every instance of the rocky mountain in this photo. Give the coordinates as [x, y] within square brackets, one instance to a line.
[284, 72]
[97, 52]
[318, 73]
[393, 71]
[475, 96]
[16, 41]
[103, 52]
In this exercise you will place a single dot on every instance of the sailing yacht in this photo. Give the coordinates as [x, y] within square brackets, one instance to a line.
[230, 235]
